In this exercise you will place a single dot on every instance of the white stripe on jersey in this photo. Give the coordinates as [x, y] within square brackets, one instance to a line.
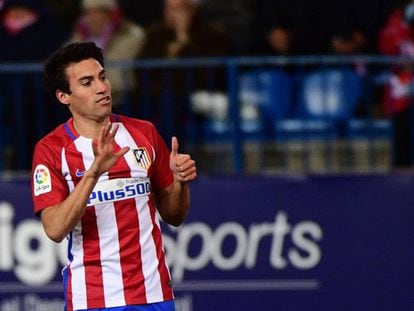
[149, 257]
[65, 170]
[106, 223]
[77, 268]
[148, 248]
[111, 271]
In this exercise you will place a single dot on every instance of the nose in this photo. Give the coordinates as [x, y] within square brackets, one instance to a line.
[102, 86]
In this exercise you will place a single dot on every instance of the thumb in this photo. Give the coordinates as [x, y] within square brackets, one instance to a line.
[174, 146]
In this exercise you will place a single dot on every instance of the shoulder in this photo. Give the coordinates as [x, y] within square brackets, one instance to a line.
[135, 122]
[142, 129]
[134, 28]
[54, 140]
[48, 150]
[126, 42]
[395, 20]
[143, 126]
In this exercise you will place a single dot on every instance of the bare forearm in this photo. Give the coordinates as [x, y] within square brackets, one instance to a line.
[174, 205]
[59, 220]
[174, 201]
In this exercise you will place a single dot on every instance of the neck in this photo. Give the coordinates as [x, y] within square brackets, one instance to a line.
[89, 128]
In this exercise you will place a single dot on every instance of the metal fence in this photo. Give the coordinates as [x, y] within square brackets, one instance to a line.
[235, 115]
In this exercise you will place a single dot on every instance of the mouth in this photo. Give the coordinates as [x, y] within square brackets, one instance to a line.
[104, 100]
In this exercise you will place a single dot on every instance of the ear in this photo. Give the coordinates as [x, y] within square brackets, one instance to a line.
[62, 97]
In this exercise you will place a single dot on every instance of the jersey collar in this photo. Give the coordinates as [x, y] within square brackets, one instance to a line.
[70, 129]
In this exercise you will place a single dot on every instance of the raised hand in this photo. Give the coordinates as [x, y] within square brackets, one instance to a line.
[104, 150]
[182, 166]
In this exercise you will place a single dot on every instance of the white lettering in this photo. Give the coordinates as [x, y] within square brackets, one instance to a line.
[257, 232]
[281, 229]
[225, 230]
[31, 302]
[301, 252]
[27, 251]
[11, 304]
[183, 259]
[35, 265]
[35, 260]
[6, 231]
[184, 303]
[35, 303]
[308, 246]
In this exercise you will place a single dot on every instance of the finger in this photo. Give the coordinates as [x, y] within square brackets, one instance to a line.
[186, 166]
[190, 176]
[114, 130]
[174, 146]
[184, 161]
[122, 151]
[105, 130]
[108, 128]
[187, 172]
[101, 135]
[94, 147]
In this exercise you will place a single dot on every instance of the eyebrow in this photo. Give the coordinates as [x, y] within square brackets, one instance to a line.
[90, 77]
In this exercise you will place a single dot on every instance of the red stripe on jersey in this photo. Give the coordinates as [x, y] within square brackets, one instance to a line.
[130, 252]
[129, 248]
[162, 265]
[92, 260]
[75, 163]
[69, 305]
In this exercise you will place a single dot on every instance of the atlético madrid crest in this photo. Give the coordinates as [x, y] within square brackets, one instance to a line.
[142, 157]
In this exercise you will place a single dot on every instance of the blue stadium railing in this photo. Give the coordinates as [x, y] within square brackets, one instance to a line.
[274, 87]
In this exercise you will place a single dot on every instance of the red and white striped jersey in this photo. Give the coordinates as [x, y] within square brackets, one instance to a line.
[115, 252]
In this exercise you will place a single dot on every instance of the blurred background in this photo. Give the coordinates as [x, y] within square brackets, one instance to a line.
[299, 115]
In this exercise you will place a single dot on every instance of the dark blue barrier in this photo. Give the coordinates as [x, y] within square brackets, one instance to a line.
[275, 243]
[279, 108]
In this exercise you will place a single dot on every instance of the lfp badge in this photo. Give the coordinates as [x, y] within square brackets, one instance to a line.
[41, 180]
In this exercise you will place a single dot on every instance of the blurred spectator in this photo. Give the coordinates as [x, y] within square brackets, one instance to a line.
[277, 40]
[352, 41]
[103, 22]
[353, 25]
[319, 26]
[299, 23]
[28, 31]
[237, 17]
[397, 38]
[280, 40]
[182, 33]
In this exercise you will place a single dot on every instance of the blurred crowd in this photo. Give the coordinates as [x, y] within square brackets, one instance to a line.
[130, 30]
[243, 27]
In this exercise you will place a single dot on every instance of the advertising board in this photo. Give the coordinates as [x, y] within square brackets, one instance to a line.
[270, 243]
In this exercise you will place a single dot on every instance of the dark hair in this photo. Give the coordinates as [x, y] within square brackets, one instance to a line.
[54, 71]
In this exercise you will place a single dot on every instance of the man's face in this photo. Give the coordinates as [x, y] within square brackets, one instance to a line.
[90, 96]
[97, 20]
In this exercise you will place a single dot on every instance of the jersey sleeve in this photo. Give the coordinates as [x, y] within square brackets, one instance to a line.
[161, 174]
[48, 186]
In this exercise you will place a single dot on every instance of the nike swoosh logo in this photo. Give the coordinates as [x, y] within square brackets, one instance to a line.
[79, 173]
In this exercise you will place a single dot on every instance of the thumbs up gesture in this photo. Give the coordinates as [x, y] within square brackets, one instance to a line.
[182, 166]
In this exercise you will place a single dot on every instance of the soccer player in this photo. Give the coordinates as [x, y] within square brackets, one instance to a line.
[101, 179]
